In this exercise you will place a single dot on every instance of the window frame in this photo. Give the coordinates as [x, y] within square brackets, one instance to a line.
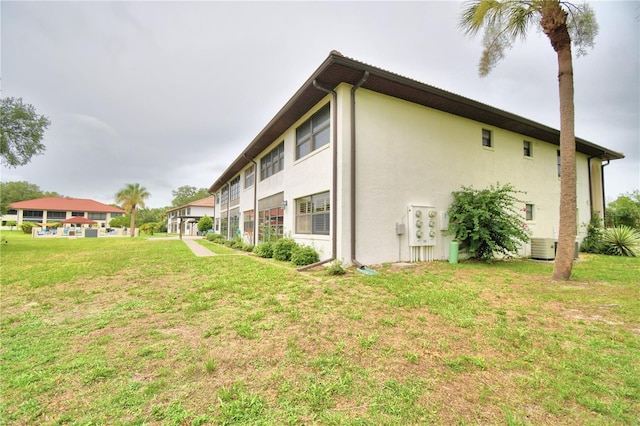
[309, 131]
[250, 176]
[313, 214]
[487, 138]
[529, 210]
[527, 149]
[234, 188]
[272, 162]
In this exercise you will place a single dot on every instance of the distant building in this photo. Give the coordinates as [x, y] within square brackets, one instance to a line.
[56, 209]
[188, 216]
[361, 162]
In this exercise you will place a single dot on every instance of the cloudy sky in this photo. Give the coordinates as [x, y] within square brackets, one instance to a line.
[167, 94]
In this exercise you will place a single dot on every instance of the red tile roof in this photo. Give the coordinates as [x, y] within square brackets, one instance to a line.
[65, 204]
[203, 202]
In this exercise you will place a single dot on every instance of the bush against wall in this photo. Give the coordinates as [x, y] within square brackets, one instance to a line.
[283, 248]
[304, 255]
[264, 249]
[488, 222]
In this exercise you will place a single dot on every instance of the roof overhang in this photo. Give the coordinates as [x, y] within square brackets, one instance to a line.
[337, 69]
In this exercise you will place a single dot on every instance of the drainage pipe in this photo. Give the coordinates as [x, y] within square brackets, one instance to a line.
[334, 177]
[604, 200]
[364, 78]
[255, 199]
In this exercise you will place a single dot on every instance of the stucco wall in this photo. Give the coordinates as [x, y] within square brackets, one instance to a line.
[409, 154]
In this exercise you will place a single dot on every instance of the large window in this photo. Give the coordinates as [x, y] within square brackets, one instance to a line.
[271, 224]
[313, 133]
[32, 215]
[248, 223]
[56, 215]
[250, 176]
[234, 191]
[234, 224]
[313, 214]
[224, 195]
[273, 162]
[77, 214]
[97, 216]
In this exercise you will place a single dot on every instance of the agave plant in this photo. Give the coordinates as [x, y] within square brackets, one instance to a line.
[621, 241]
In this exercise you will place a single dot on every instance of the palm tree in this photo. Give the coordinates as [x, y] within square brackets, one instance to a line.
[131, 197]
[504, 21]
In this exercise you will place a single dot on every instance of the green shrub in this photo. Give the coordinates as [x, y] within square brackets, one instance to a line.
[248, 247]
[336, 268]
[216, 238]
[205, 223]
[592, 243]
[486, 222]
[621, 241]
[264, 249]
[304, 255]
[27, 227]
[283, 248]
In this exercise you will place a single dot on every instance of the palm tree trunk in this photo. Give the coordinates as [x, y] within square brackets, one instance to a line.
[132, 227]
[554, 26]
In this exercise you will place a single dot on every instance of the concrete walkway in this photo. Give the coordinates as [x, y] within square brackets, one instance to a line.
[197, 249]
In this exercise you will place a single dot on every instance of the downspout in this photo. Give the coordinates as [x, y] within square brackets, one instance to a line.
[228, 210]
[255, 199]
[364, 78]
[604, 200]
[590, 186]
[334, 178]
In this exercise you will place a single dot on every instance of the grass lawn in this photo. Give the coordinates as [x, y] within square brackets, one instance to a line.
[136, 331]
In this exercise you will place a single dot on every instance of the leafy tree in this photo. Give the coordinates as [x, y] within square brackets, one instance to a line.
[205, 223]
[120, 221]
[150, 227]
[187, 194]
[625, 210]
[487, 222]
[22, 129]
[504, 21]
[131, 197]
[11, 224]
[11, 192]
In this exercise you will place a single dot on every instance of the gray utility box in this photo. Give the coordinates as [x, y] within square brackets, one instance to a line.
[543, 248]
[90, 233]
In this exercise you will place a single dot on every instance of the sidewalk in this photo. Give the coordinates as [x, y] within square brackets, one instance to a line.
[197, 249]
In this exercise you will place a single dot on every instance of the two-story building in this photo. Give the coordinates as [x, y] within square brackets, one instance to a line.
[361, 162]
[184, 219]
[57, 209]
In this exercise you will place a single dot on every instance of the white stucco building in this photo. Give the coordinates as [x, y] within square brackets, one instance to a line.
[361, 163]
[184, 219]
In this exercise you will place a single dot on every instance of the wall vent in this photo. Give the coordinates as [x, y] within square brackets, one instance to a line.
[543, 248]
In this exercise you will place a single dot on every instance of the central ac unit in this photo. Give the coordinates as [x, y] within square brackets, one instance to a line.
[543, 248]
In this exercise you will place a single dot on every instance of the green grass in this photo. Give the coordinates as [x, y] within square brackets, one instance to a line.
[132, 331]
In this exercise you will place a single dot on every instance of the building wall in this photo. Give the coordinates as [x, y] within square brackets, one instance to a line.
[409, 154]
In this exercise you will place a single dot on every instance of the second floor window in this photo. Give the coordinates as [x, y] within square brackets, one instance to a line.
[313, 133]
[249, 176]
[234, 191]
[273, 162]
[486, 138]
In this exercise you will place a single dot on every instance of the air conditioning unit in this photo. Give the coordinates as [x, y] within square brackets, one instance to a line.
[543, 248]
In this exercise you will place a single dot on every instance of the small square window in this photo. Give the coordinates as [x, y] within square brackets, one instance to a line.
[486, 138]
[529, 211]
[526, 147]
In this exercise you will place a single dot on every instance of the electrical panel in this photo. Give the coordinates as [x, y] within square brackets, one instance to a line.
[422, 226]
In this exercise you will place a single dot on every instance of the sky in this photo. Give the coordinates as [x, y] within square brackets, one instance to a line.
[168, 94]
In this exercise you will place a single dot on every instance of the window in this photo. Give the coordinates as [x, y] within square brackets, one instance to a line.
[218, 198]
[224, 195]
[12, 211]
[313, 133]
[528, 211]
[119, 214]
[271, 224]
[559, 162]
[234, 191]
[56, 215]
[97, 216]
[77, 214]
[248, 223]
[526, 148]
[224, 226]
[234, 223]
[486, 138]
[249, 176]
[313, 214]
[32, 214]
[273, 162]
